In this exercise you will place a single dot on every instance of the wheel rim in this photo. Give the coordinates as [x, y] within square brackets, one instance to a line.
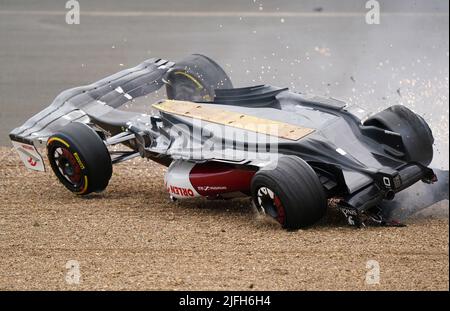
[67, 166]
[269, 203]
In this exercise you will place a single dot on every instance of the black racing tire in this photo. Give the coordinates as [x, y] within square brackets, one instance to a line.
[298, 198]
[79, 159]
[416, 134]
[195, 78]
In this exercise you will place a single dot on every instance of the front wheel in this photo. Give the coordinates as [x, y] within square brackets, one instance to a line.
[291, 193]
[196, 78]
[79, 159]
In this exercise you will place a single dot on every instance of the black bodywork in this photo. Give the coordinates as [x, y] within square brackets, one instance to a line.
[357, 164]
[361, 165]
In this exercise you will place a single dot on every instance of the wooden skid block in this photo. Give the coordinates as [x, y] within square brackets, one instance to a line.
[230, 118]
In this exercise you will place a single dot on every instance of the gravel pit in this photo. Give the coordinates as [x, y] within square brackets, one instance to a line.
[131, 237]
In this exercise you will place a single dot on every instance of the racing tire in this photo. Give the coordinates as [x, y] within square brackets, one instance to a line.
[291, 193]
[416, 134]
[195, 78]
[79, 159]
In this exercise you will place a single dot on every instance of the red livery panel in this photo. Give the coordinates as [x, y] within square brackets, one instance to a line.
[213, 178]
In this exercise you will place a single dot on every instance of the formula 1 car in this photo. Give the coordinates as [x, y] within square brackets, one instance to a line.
[292, 153]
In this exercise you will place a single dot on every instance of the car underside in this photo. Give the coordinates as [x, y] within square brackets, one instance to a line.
[293, 153]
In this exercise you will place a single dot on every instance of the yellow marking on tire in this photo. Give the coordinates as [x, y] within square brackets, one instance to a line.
[58, 139]
[85, 185]
[77, 157]
[198, 84]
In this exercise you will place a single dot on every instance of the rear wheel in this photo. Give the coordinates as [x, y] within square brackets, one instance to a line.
[291, 193]
[79, 159]
[416, 134]
[195, 78]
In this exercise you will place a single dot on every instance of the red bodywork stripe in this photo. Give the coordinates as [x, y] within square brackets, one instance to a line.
[213, 178]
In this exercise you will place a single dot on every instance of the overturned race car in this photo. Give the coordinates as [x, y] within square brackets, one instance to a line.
[292, 153]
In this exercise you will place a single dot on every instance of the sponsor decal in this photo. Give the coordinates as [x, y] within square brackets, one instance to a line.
[387, 182]
[77, 157]
[211, 188]
[184, 192]
[29, 156]
[28, 147]
[32, 162]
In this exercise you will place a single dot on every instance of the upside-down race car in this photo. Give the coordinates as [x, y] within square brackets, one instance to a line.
[292, 153]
